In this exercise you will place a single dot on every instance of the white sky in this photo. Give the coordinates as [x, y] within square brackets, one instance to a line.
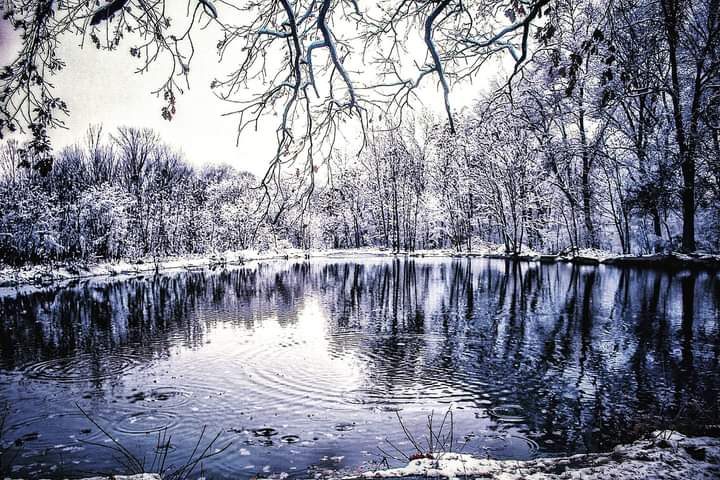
[102, 87]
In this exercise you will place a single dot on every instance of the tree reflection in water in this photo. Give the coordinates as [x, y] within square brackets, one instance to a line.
[570, 358]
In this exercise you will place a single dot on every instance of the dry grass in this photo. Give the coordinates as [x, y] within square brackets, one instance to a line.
[437, 439]
[157, 462]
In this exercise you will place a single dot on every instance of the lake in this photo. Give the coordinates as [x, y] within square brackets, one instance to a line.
[306, 367]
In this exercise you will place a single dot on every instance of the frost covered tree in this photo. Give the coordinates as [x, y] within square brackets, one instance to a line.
[602, 132]
[124, 196]
[316, 64]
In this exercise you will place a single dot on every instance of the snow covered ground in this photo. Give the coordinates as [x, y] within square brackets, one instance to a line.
[65, 271]
[664, 455]
[45, 274]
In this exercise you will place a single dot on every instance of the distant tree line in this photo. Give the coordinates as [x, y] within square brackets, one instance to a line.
[129, 196]
[610, 140]
[607, 138]
[498, 180]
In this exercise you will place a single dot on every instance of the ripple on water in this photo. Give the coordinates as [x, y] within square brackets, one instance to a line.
[284, 372]
[364, 396]
[54, 431]
[280, 373]
[161, 397]
[345, 426]
[510, 413]
[509, 446]
[265, 432]
[82, 368]
[525, 443]
[141, 423]
[394, 400]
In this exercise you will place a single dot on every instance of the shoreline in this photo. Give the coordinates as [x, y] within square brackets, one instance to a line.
[664, 454]
[45, 275]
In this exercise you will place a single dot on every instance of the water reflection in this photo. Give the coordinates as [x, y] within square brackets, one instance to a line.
[305, 365]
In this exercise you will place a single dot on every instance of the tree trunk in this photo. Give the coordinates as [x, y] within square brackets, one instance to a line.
[687, 160]
[592, 241]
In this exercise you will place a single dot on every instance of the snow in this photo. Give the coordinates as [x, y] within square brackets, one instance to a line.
[60, 272]
[592, 253]
[140, 476]
[46, 274]
[663, 455]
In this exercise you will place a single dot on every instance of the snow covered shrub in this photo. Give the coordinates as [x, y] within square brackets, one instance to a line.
[27, 224]
[709, 236]
[103, 221]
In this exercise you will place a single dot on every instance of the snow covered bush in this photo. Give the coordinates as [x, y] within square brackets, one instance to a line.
[104, 221]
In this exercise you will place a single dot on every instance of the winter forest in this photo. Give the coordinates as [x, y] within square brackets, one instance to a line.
[606, 138]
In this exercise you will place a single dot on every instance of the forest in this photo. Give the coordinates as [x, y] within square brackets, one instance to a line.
[607, 138]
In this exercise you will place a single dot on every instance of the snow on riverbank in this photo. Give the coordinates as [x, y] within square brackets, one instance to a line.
[140, 476]
[665, 455]
[46, 274]
[59, 273]
[66, 271]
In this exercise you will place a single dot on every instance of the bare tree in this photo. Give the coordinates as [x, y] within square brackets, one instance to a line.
[301, 59]
[693, 41]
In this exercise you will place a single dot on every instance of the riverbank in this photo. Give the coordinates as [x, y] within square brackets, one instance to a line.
[55, 272]
[664, 455]
[68, 271]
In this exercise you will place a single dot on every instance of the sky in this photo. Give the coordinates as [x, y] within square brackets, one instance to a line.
[103, 88]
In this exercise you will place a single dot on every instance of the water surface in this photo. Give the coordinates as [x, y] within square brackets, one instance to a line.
[305, 366]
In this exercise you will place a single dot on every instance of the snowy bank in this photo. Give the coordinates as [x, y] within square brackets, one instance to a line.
[59, 273]
[141, 476]
[669, 260]
[665, 455]
[68, 271]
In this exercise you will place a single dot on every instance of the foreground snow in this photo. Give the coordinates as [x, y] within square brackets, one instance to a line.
[665, 455]
[140, 476]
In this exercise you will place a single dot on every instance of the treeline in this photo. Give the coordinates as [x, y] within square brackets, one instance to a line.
[609, 138]
[126, 196]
